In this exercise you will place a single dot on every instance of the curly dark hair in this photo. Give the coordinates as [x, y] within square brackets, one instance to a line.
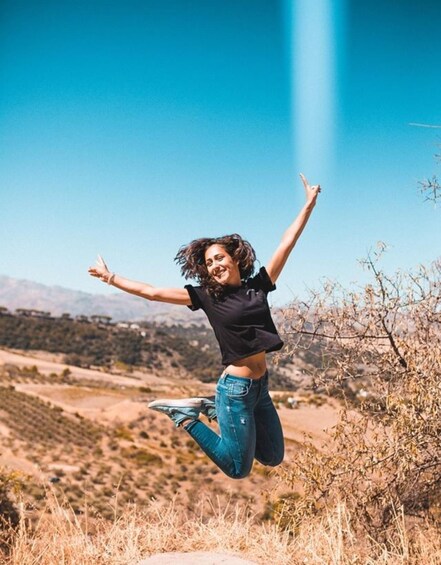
[191, 258]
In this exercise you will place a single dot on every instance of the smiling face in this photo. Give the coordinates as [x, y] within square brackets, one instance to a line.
[221, 266]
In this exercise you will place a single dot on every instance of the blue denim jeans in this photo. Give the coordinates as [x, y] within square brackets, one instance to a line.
[248, 423]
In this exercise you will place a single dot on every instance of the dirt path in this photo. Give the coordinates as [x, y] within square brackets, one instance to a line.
[48, 363]
[309, 420]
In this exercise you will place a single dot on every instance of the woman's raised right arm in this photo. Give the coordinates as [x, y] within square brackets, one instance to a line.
[171, 295]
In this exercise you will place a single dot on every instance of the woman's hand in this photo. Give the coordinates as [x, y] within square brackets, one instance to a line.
[100, 270]
[311, 192]
[292, 234]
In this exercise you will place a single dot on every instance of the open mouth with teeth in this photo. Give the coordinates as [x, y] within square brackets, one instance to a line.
[220, 274]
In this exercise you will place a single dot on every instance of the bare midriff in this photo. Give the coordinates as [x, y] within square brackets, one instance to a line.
[252, 367]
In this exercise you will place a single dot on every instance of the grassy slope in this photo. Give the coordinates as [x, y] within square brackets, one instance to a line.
[92, 432]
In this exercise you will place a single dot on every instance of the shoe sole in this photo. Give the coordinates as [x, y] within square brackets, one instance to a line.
[175, 403]
[196, 403]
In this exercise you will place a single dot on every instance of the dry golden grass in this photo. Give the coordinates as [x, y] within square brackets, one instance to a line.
[135, 533]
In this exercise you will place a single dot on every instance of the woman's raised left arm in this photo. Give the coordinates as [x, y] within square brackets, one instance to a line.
[292, 234]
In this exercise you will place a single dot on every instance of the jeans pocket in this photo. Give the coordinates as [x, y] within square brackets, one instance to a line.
[237, 389]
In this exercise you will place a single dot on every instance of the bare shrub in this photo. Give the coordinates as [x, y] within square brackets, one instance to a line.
[382, 356]
[430, 187]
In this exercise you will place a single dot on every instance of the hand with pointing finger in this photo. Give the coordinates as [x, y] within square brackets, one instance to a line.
[311, 192]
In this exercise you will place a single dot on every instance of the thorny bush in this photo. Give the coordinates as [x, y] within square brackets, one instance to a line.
[381, 355]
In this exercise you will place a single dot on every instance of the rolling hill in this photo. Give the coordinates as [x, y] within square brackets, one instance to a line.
[17, 293]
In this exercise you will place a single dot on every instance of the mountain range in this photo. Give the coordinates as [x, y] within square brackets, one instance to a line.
[17, 293]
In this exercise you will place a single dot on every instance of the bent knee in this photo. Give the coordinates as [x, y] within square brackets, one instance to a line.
[239, 475]
[275, 460]
[240, 472]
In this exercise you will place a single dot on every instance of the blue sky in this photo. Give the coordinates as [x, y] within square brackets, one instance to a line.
[130, 128]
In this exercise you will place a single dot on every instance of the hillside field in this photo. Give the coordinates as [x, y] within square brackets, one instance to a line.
[88, 435]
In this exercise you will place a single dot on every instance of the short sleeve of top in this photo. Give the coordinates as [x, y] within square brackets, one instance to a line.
[261, 281]
[241, 318]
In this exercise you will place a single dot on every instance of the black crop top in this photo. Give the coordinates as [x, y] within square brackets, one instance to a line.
[241, 318]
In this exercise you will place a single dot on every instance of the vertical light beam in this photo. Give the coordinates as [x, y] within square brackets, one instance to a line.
[313, 37]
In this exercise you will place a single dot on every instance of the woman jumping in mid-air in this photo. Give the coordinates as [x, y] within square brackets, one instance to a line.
[235, 303]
